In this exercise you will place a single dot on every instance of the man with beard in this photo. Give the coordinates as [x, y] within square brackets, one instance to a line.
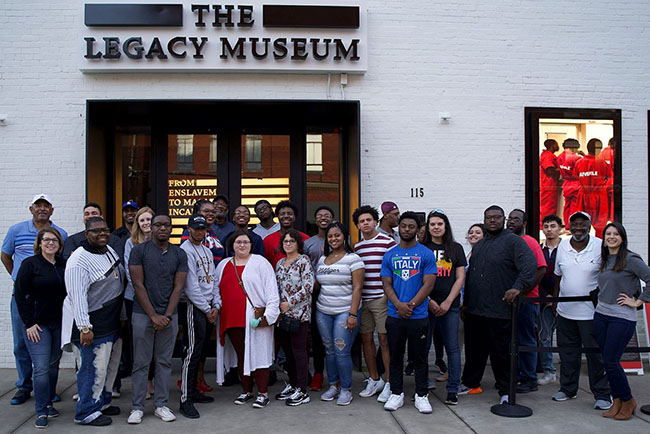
[502, 266]
[119, 236]
[17, 245]
[95, 281]
[264, 212]
[576, 270]
[221, 226]
[529, 312]
[286, 212]
[241, 217]
[408, 273]
[91, 209]
[158, 270]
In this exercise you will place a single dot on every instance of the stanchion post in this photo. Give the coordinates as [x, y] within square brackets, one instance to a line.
[511, 408]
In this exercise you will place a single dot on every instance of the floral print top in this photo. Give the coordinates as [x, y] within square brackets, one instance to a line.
[295, 284]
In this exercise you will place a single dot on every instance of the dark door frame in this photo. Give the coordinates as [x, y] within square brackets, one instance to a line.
[532, 115]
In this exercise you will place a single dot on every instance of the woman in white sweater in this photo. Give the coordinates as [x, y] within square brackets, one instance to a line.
[250, 305]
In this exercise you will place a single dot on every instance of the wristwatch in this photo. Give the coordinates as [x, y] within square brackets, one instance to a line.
[85, 329]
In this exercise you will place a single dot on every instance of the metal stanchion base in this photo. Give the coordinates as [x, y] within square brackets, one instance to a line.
[645, 409]
[510, 410]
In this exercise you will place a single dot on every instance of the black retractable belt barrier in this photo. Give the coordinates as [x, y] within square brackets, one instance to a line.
[511, 408]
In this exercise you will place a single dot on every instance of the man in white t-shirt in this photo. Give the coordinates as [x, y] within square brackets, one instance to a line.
[576, 269]
[374, 308]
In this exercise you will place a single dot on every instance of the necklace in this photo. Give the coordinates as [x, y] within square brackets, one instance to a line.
[205, 269]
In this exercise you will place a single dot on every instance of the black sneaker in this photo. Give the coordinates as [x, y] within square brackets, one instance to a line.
[41, 421]
[452, 399]
[299, 397]
[527, 387]
[231, 378]
[243, 398]
[409, 369]
[188, 410]
[285, 393]
[201, 398]
[52, 412]
[261, 401]
[111, 410]
[20, 397]
[101, 421]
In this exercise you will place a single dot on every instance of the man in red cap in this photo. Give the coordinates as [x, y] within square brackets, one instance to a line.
[593, 175]
[389, 220]
[566, 162]
[549, 176]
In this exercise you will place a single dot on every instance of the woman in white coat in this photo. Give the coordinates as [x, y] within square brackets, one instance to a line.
[250, 304]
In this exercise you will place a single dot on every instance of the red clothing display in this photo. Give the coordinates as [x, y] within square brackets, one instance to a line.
[548, 185]
[607, 155]
[539, 256]
[566, 162]
[593, 175]
[272, 250]
[233, 301]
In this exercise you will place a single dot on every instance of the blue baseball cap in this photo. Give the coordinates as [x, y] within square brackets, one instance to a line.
[131, 204]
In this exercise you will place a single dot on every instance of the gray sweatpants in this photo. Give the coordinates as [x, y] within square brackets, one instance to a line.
[147, 344]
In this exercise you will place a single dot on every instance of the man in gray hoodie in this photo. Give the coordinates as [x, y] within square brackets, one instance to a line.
[203, 303]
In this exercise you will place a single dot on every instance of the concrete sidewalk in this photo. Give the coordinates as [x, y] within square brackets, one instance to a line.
[472, 415]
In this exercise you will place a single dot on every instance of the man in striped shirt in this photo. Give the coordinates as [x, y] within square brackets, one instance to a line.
[374, 307]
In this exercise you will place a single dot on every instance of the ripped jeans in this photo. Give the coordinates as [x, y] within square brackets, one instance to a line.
[337, 340]
[91, 378]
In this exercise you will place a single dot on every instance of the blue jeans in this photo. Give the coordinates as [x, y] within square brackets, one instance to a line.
[528, 360]
[45, 355]
[545, 327]
[448, 324]
[337, 341]
[21, 354]
[91, 378]
[613, 334]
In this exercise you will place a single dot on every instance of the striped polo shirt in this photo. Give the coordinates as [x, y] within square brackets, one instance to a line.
[372, 252]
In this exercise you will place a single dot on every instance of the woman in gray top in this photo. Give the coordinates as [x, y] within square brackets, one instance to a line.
[615, 318]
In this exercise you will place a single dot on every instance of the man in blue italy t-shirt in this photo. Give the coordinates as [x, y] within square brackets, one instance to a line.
[408, 272]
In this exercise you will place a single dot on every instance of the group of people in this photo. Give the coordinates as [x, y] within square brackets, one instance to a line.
[586, 180]
[116, 300]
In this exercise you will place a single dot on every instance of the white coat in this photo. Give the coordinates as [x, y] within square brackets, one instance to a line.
[262, 288]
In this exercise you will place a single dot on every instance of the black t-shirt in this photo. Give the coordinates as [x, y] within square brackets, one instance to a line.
[446, 271]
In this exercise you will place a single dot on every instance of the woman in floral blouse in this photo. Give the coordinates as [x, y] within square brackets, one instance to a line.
[295, 283]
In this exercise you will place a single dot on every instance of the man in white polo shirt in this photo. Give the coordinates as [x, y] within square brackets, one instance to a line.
[576, 270]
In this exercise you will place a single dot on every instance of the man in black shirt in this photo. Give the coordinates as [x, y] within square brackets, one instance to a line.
[91, 209]
[502, 266]
[119, 236]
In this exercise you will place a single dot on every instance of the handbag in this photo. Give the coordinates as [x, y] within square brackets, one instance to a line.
[258, 311]
[289, 325]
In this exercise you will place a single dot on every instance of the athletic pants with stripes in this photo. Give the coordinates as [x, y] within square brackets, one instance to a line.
[196, 324]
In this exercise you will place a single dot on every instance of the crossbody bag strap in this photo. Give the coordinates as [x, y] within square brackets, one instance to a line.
[241, 284]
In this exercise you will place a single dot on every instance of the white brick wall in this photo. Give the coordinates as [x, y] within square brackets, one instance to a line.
[482, 62]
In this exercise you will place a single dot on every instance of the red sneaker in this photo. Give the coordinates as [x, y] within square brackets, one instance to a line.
[316, 382]
[204, 387]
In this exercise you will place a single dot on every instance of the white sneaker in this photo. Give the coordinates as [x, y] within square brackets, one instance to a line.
[394, 402]
[547, 378]
[135, 417]
[385, 394]
[504, 399]
[331, 394]
[372, 387]
[75, 397]
[165, 414]
[422, 404]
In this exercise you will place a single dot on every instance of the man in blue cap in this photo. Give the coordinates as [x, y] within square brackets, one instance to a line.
[119, 236]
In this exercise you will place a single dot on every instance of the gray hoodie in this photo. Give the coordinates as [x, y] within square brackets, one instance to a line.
[200, 288]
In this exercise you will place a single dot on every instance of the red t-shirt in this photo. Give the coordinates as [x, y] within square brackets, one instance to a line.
[547, 160]
[539, 256]
[593, 173]
[233, 300]
[272, 250]
[566, 163]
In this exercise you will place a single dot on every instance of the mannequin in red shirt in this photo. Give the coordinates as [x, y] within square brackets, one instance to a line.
[593, 175]
[566, 162]
[549, 176]
[607, 155]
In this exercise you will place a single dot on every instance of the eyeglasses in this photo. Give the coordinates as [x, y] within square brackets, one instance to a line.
[50, 240]
[207, 211]
[514, 219]
[323, 216]
[162, 225]
[494, 217]
[289, 241]
[436, 211]
[242, 242]
[98, 231]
